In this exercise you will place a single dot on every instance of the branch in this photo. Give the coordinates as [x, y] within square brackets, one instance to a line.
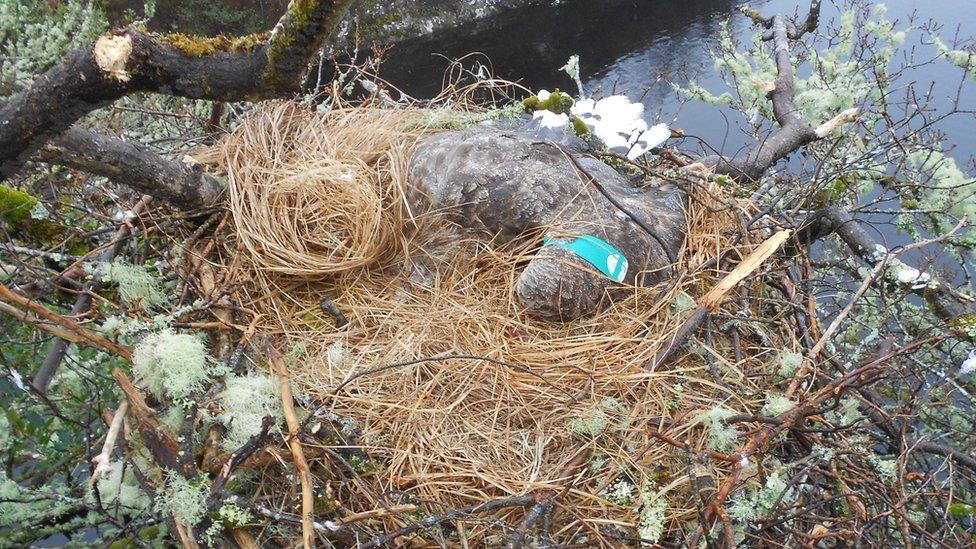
[519, 501]
[71, 331]
[55, 354]
[298, 456]
[794, 132]
[104, 458]
[811, 23]
[758, 439]
[946, 303]
[712, 300]
[179, 182]
[130, 60]
[156, 437]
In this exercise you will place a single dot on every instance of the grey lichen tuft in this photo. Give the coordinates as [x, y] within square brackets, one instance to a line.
[173, 365]
[246, 401]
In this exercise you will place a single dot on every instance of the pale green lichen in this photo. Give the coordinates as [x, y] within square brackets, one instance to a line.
[721, 436]
[751, 504]
[650, 525]
[173, 365]
[184, 499]
[948, 188]
[777, 404]
[229, 515]
[5, 438]
[245, 402]
[599, 418]
[120, 326]
[233, 515]
[620, 492]
[120, 489]
[845, 414]
[887, 469]
[137, 286]
[788, 362]
[682, 302]
[823, 454]
[964, 59]
[39, 212]
[572, 68]
[35, 34]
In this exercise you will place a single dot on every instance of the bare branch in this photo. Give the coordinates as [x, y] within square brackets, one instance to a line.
[794, 132]
[179, 182]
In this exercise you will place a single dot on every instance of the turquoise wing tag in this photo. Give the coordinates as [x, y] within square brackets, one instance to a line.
[607, 259]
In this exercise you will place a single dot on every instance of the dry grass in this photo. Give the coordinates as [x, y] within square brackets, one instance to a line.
[316, 200]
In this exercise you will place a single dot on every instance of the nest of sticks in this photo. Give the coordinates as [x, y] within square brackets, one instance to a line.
[456, 398]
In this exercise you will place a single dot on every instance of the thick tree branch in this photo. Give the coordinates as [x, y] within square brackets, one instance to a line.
[130, 60]
[945, 303]
[180, 182]
[794, 132]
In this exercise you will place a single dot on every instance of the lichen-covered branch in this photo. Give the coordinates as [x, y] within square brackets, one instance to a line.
[131, 60]
[794, 131]
[944, 302]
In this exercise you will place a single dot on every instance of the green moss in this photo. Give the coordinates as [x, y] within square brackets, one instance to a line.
[196, 46]
[301, 11]
[965, 323]
[324, 505]
[961, 510]
[18, 211]
[557, 102]
[15, 205]
[297, 22]
[380, 23]
[580, 127]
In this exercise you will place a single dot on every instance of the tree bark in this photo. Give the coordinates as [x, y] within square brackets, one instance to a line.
[130, 60]
[179, 182]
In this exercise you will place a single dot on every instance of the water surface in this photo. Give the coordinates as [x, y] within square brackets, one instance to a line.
[636, 47]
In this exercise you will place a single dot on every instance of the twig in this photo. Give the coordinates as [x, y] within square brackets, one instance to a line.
[545, 500]
[81, 334]
[55, 354]
[713, 299]
[102, 460]
[298, 456]
[329, 307]
[520, 501]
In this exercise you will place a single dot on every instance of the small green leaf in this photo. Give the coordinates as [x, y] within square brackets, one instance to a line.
[961, 510]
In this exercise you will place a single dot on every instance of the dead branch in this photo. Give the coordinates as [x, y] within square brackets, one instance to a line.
[713, 299]
[55, 354]
[164, 448]
[298, 456]
[946, 303]
[180, 182]
[520, 501]
[71, 331]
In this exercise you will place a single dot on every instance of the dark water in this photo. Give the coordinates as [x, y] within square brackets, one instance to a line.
[635, 46]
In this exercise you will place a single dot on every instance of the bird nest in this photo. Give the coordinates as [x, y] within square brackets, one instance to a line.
[454, 395]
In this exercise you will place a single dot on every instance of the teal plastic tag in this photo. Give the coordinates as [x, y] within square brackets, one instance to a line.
[597, 252]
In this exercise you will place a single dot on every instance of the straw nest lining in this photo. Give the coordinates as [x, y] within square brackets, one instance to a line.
[317, 202]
